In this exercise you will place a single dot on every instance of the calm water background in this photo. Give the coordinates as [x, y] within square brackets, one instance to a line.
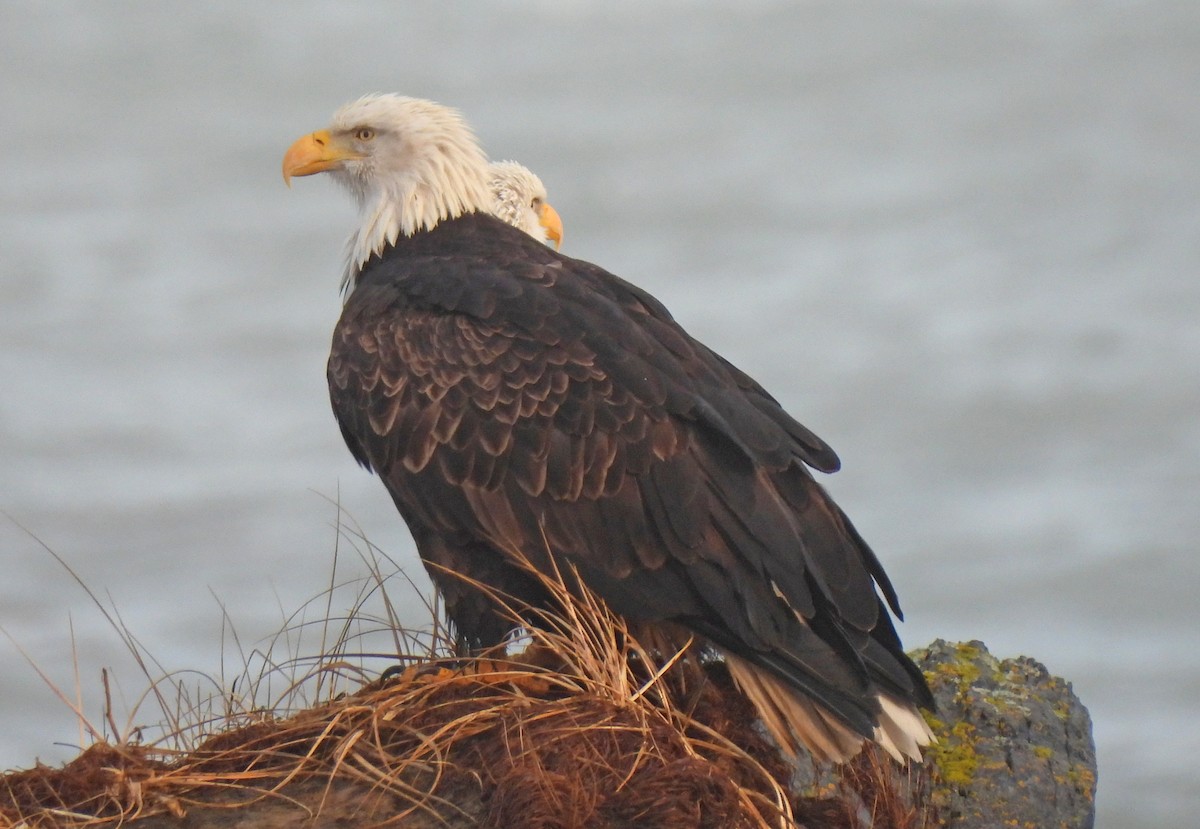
[960, 240]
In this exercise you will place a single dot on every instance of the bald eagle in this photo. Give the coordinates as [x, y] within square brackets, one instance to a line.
[520, 405]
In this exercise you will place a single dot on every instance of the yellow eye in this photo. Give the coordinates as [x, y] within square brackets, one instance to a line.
[536, 203]
[364, 133]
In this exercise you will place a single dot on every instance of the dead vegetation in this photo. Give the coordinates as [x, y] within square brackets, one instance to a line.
[609, 735]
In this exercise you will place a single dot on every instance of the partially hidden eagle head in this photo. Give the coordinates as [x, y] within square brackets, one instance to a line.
[409, 163]
[519, 198]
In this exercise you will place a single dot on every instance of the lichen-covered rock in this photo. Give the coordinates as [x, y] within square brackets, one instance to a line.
[1014, 749]
[1014, 743]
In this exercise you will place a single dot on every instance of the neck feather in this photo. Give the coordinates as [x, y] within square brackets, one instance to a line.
[449, 184]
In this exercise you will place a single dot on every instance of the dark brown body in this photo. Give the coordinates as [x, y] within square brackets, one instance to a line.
[514, 400]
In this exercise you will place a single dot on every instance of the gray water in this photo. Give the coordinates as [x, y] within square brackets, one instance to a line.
[961, 241]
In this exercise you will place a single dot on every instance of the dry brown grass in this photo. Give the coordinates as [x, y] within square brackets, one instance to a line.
[358, 633]
[601, 740]
[589, 728]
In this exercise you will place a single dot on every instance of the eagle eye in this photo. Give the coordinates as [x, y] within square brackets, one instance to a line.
[364, 133]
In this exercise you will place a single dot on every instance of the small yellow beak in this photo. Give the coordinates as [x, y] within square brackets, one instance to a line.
[314, 153]
[548, 218]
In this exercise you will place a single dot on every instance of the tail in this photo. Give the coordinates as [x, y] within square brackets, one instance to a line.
[794, 721]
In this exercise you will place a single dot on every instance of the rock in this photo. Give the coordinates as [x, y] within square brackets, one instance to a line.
[1014, 750]
[1014, 743]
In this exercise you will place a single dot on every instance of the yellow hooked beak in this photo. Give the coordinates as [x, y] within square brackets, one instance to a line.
[315, 153]
[548, 218]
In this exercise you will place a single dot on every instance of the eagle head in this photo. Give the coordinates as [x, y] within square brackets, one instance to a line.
[409, 163]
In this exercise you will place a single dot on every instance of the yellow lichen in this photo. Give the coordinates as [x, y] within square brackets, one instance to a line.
[1084, 780]
[954, 754]
[962, 673]
[966, 650]
[1062, 709]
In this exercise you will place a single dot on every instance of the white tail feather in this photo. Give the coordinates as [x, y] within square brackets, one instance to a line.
[901, 730]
